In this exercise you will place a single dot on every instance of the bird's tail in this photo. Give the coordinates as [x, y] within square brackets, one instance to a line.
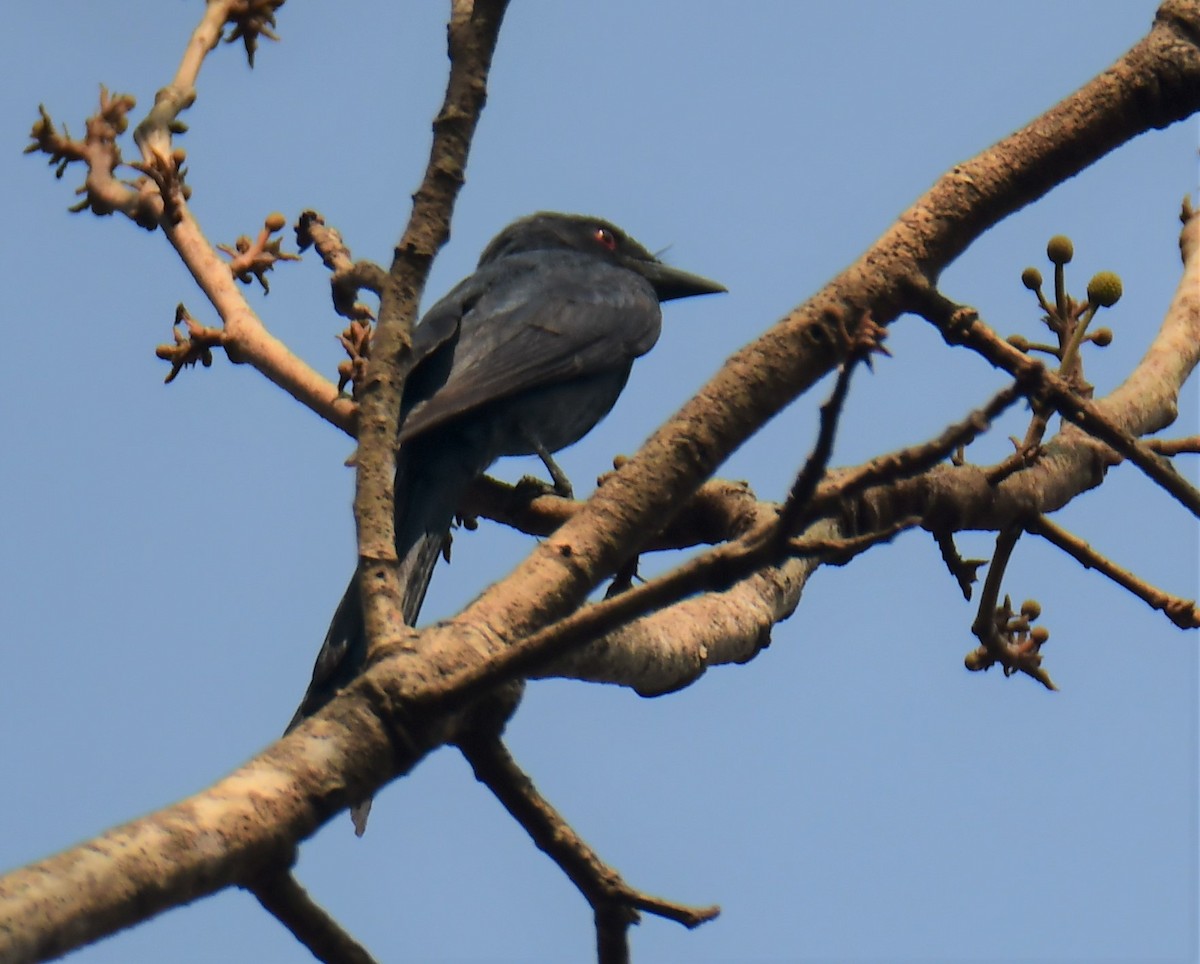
[432, 476]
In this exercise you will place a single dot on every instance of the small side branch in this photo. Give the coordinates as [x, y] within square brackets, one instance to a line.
[1182, 612]
[866, 340]
[349, 277]
[615, 904]
[282, 896]
[1189, 445]
[909, 462]
[1006, 636]
[964, 571]
[720, 510]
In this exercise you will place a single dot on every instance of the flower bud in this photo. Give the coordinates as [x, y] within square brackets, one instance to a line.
[1059, 249]
[1104, 289]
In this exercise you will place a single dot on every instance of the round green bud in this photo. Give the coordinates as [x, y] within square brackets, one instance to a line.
[1104, 289]
[1031, 278]
[1059, 249]
[1031, 609]
[1102, 337]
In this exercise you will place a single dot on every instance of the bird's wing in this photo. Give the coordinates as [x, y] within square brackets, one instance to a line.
[562, 320]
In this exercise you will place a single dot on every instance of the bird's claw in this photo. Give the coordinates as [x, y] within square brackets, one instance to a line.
[531, 487]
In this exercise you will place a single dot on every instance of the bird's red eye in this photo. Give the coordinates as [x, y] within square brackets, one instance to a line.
[605, 239]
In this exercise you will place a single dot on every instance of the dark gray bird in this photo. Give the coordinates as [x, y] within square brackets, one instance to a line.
[523, 357]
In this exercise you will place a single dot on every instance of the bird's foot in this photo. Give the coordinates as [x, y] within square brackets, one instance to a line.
[531, 487]
[562, 485]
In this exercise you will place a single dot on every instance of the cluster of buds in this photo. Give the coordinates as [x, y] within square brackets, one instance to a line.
[1068, 318]
[253, 259]
[356, 340]
[194, 344]
[1015, 643]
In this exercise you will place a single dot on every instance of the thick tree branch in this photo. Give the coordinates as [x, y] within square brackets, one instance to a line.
[1157, 82]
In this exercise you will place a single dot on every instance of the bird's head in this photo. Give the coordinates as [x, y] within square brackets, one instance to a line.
[548, 231]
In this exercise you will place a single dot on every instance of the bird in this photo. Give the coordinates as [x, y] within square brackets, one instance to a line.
[523, 357]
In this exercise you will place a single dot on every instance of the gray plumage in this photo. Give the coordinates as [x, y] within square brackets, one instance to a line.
[524, 356]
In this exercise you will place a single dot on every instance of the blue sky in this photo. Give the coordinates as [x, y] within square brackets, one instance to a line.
[171, 556]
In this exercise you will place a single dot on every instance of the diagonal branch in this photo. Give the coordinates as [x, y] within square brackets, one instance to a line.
[283, 897]
[720, 567]
[1182, 612]
[1156, 82]
[614, 903]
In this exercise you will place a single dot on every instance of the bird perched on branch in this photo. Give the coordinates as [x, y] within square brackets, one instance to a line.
[523, 357]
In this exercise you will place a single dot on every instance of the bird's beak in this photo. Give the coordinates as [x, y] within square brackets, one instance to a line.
[670, 283]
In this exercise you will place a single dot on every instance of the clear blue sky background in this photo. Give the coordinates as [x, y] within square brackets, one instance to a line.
[170, 556]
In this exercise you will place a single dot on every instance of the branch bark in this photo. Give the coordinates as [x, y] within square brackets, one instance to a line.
[249, 823]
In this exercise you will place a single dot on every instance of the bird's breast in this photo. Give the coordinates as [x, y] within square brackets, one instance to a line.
[554, 416]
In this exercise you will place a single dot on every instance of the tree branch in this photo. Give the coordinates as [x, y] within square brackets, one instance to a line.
[283, 897]
[474, 29]
[614, 903]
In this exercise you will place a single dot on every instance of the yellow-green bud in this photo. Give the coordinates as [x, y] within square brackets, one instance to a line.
[1031, 278]
[1104, 289]
[1059, 249]
[1031, 609]
[1019, 342]
[1102, 337]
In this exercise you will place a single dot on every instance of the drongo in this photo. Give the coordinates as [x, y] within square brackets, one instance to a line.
[523, 357]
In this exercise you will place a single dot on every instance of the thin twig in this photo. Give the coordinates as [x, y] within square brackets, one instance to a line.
[1182, 612]
[797, 508]
[282, 896]
[614, 902]
[913, 460]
